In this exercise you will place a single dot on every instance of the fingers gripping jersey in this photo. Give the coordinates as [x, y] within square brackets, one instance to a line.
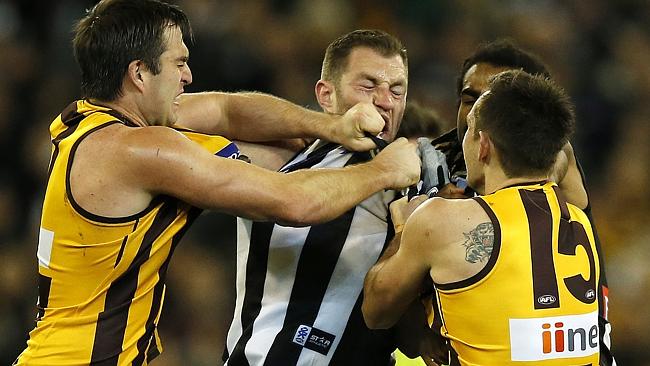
[101, 280]
[535, 302]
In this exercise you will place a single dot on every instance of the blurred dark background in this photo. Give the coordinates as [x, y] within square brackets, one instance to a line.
[598, 50]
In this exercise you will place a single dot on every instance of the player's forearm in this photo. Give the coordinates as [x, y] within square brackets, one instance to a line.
[320, 195]
[251, 116]
[263, 117]
[379, 309]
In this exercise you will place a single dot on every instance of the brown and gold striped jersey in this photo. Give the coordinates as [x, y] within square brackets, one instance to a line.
[534, 303]
[101, 280]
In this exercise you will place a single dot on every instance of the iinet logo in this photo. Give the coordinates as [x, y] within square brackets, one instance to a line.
[539, 339]
[572, 338]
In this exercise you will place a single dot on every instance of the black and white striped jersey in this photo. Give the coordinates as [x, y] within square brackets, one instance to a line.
[299, 289]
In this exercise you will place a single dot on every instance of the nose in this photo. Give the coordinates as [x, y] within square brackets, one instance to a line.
[383, 97]
[186, 76]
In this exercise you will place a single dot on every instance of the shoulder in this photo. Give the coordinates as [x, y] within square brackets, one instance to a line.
[151, 133]
[446, 209]
[126, 149]
[137, 140]
[444, 219]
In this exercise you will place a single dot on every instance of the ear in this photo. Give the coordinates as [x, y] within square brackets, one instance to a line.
[485, 147]
[326, 95]
[135, 74]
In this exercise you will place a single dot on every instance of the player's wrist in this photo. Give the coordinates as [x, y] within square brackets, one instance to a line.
[330, 128]
[385, 173]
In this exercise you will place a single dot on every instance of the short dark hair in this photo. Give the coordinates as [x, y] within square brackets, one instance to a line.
[420, 121]
[336, 54]
[528, 118]
[116, 32]
[502, 53]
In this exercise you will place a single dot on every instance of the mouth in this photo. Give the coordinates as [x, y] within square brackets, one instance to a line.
[177, 99]
[386, 128]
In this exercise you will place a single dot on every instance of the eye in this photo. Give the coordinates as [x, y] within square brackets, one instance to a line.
[182, 62]
[398, 90]
[467, 100]
[367, 85]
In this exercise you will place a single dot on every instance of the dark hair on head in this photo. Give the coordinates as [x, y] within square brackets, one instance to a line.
[419, 121]
[502, 53]
[116, 32]
[528, 118]
[336, 54]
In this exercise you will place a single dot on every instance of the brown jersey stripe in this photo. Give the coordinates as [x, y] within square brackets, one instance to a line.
[71, 118]
[564, 210]
[147, 343]
[70, 115]
[44, 284]
[540, 226]
[111, 323]
[126, 239]
[55, 153]
[454, 360]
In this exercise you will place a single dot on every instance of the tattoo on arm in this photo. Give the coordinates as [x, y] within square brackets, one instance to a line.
[478, 243]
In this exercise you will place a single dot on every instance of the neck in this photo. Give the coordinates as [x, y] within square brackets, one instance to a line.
[498, 180]
[124, 109]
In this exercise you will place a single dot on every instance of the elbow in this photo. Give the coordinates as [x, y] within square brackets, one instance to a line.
[373, 317]
[369, 316]
[376, 313]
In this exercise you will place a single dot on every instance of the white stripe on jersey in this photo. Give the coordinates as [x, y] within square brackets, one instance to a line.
[243, 242]
[361, 250]
[44, 252]
[286, 245]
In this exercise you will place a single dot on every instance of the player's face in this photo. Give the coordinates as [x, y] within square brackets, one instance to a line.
[475, 83]
[371, 77]
[475, 175]
[164, 88]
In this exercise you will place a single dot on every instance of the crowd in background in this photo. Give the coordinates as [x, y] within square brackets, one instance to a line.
[598, 50]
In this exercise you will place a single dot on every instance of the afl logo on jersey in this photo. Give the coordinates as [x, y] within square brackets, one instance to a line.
[590, 294]
[546, 299]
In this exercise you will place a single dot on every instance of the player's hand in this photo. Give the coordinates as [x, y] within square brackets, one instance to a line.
[402, 208]
[400, 160]
[450, 190]
[350, 129]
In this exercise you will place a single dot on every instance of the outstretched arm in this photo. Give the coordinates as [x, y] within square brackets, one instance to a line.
[162, 161]
[255, 117]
